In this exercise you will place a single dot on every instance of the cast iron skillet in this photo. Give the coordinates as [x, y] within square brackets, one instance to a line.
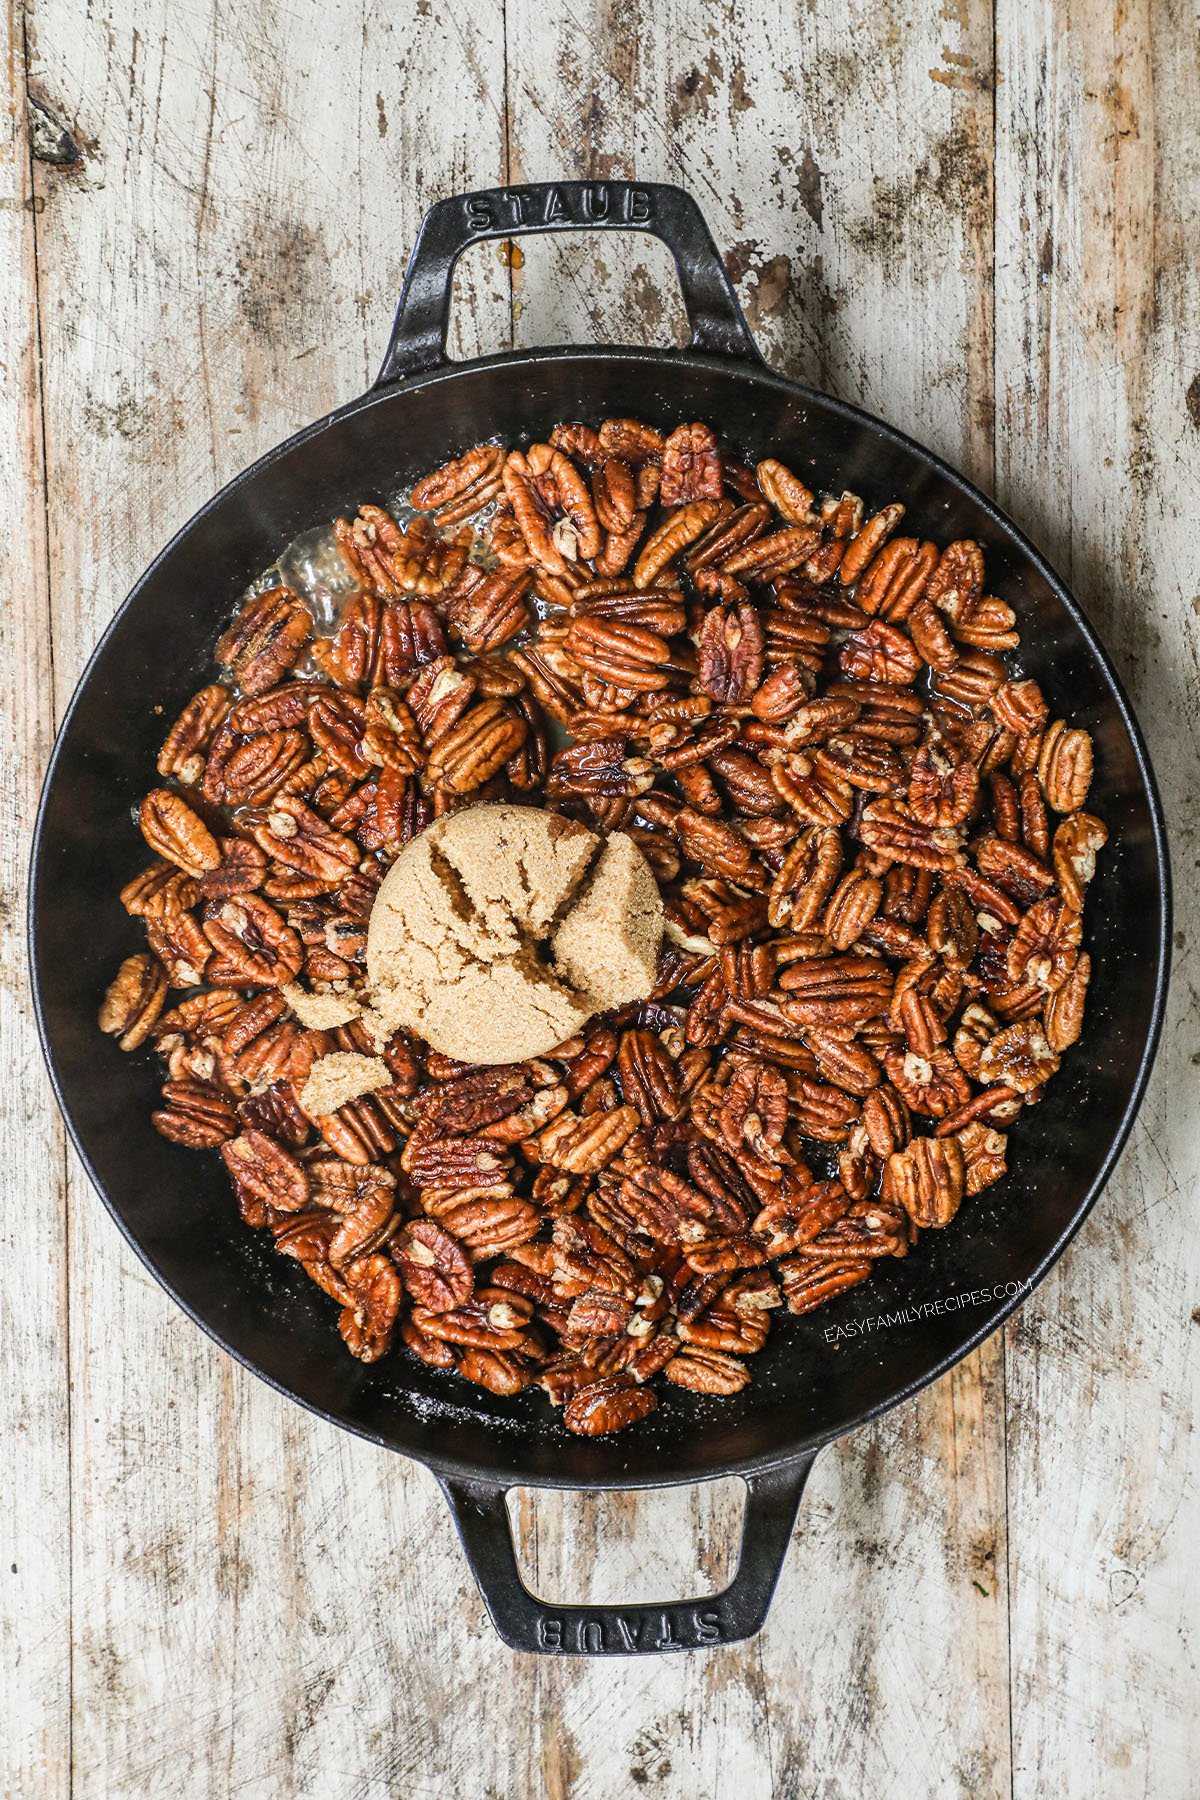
[812, 1383]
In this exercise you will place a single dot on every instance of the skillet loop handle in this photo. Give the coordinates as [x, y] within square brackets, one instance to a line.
[526, 1623]
[418, 340]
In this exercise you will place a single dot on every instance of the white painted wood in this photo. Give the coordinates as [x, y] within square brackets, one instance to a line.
[249, 1588]
[217, 1595]
[35, 1474]
[1097, 302]
[751, 120]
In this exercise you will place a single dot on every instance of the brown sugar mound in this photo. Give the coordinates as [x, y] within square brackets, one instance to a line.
[320, 1012]
[501, 929]
[607, 943]
[341, 1076]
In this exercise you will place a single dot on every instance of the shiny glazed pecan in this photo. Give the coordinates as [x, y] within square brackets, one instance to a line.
[264, 1169]
[434, 1266]
[474, 749]
[196, 1114]
[253, 942]
[626, 655]
[692, 466]
[677, 531]
[608, 1405]
[462, 487]
[182, 754]
[582, 1146]
[867, 827]
[241, 870]
[395, 561]
[490, 609]
[707, 1371]
[928, 1179]
[260, 766]
[368, 1321]
[135, 998]
[731, 653]
[174, 831]
[265, 640]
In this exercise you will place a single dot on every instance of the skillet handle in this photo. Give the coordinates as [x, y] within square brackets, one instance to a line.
[527, 1623]
[418, 340]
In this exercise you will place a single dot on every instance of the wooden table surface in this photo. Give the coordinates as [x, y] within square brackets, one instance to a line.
[978, 220]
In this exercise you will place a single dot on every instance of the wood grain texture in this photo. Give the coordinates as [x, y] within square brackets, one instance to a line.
[35, 1477]
[1098, 291]
[898, 1603]
[222, 268]
[975, 220]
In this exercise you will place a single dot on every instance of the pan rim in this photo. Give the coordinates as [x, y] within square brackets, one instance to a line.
[757, 375]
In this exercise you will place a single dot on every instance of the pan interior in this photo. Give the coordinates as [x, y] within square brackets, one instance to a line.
[812, 1381]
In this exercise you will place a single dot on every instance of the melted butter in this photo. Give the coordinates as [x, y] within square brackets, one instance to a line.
[318, 572]
[316, 569]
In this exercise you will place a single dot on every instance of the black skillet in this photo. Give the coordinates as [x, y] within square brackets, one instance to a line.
[815, 1380]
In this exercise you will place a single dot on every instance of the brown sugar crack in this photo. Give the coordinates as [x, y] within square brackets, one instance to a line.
[502, 929]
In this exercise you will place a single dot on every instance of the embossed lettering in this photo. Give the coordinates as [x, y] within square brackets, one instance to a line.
[555, 207]
[550, 1633]
[596, 202]
[517, 203]
[479, 214]
[591, 1636]
[708, 1626]
[668, 1640]
[639, 207]
[631, 1633]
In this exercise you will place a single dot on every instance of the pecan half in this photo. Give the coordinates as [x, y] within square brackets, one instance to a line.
[1019, 1056]
[135, 998]
[265, 640]
[474, 749]
[174, 831]
[1065, 767]
[671, 539]
[692, 466]
[808, 1284]
[182, 754]
[626, 655]
[928, 1179]
[608, 1405]
[731, 653]
[490, 609]
[367, 1323]
[582, 1146]
[261, 1167]
[253, 942]
[461, 488]
[707, 1371]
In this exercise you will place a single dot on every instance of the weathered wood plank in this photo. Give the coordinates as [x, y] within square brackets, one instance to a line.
[831, 229]
[253, 1592]
[864, 262]
[262, 1605]
[1097, 146]
[35, 1483]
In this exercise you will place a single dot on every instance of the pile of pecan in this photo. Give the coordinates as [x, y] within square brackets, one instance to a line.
[871, 846]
